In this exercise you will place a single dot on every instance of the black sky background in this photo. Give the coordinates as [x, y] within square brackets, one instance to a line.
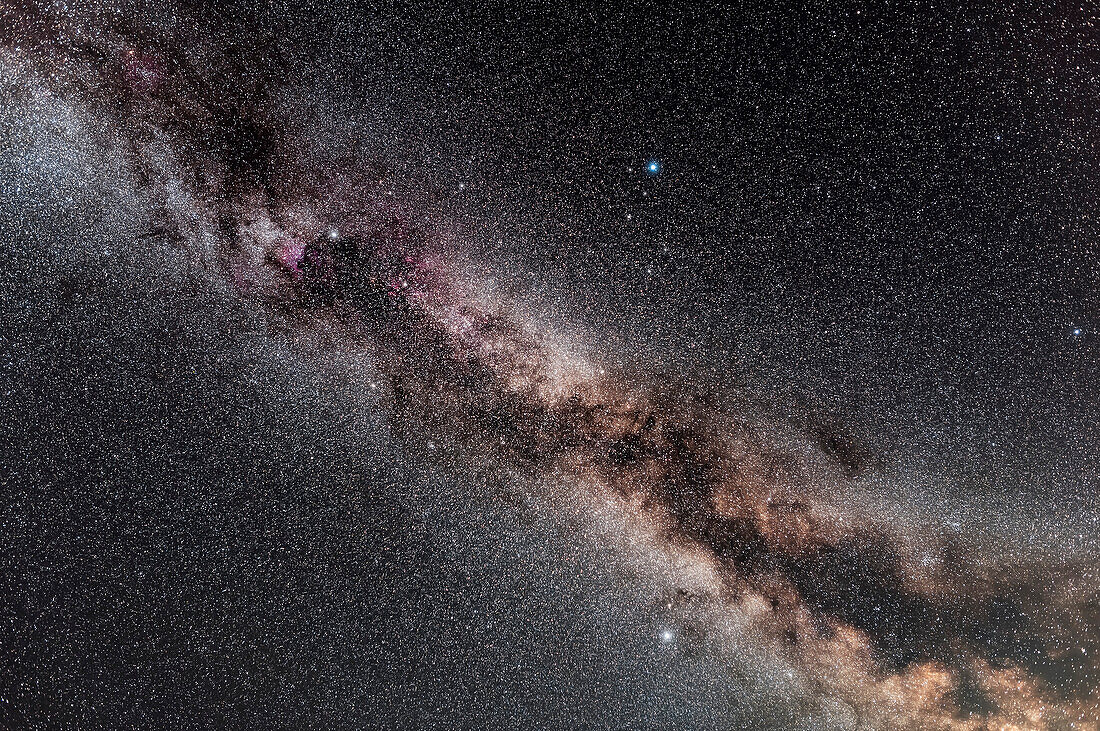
[887, 209]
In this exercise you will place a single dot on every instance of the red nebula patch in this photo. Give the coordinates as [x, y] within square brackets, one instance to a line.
[144, 73]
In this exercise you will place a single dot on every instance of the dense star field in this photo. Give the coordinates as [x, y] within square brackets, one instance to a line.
[670, 367]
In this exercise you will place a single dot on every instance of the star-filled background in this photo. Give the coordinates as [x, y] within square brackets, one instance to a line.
[408, 365]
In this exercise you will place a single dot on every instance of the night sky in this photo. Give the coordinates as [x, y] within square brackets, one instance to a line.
[667, 367]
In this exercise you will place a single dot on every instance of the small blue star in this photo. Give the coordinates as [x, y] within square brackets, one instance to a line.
[1077, 331]
[653, 167]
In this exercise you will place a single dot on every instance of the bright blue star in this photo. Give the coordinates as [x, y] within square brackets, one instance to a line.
[653, 167]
